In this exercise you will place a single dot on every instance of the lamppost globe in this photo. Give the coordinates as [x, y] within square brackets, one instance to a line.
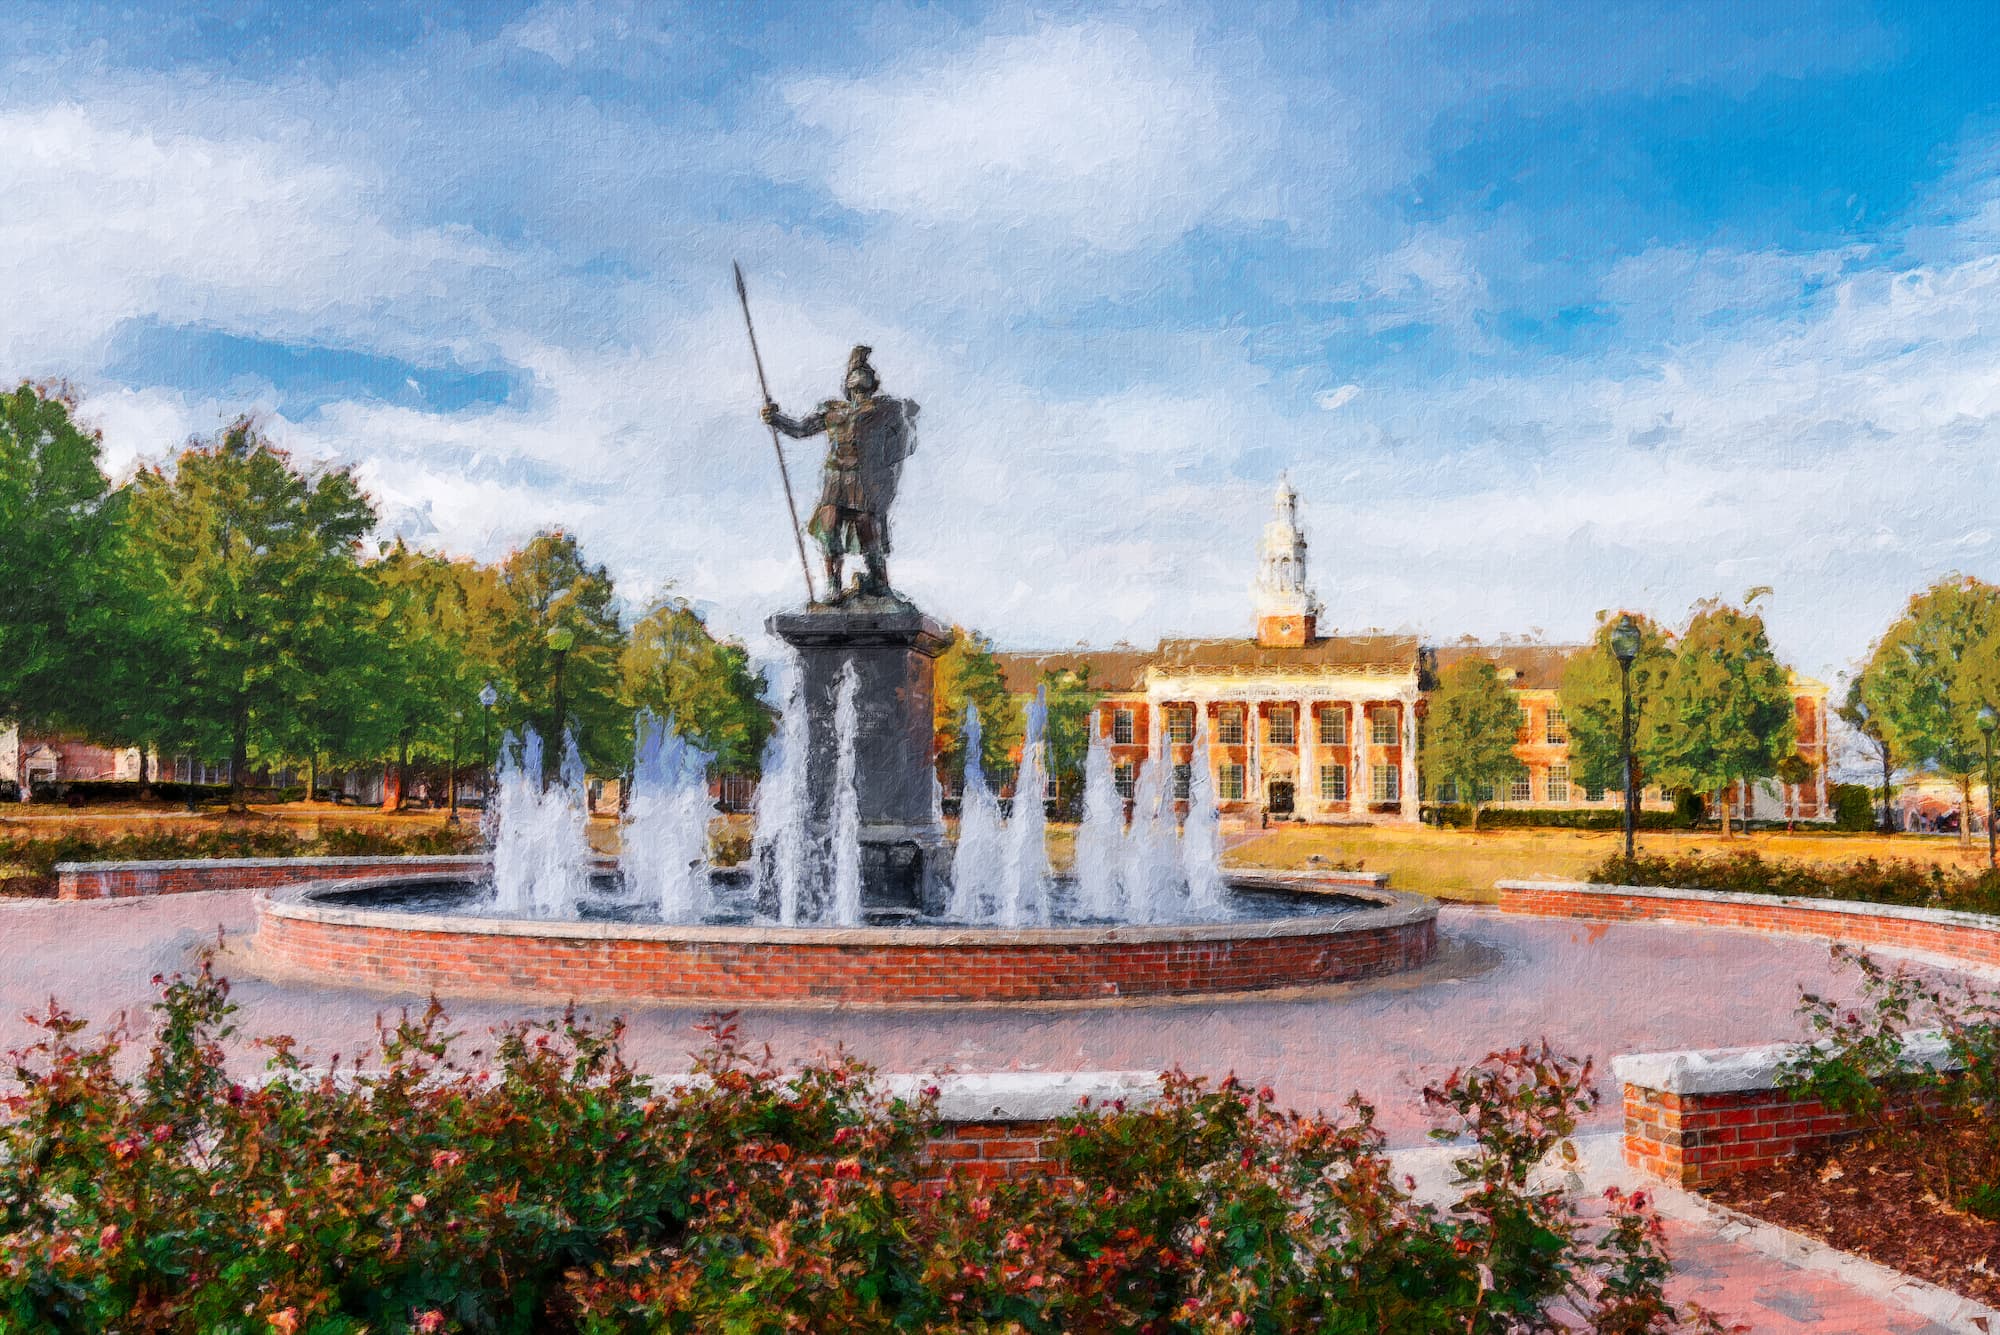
[1625, 639]
[1988, 719]
[562, 639]
[488, 696]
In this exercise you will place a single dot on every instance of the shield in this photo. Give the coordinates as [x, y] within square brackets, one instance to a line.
[884, 434]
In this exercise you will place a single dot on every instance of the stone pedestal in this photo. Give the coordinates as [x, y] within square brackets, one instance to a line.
[893, 646]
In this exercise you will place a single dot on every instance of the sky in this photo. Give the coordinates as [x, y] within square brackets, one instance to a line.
[1545, 308]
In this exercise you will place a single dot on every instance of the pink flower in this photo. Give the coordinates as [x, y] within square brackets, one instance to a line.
[108, 1237]
[444, 1159]
[419, 1201]
[430, 1321]
[286, 1321]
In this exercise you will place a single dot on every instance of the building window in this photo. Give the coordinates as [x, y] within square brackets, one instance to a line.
[1382, 727]
[1229, 727]
[1280, 727]
[1121, 779]
[1333, 727]
[1448, 792]
[1180, 725]
[1184, 777]
[1555, 730]
[1387, 783]
[1121, 727]
[1333, 783]
[1557, 786]
[1523, 790]
[1485, 791]
[1594, 794]
[1052, 790]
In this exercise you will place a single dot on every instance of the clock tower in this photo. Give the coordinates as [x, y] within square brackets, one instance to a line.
[1287, 611]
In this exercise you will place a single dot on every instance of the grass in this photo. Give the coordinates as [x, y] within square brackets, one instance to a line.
[1460, 865]
[1448, 864]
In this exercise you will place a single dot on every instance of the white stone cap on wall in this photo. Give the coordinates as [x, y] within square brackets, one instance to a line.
[1743, 1070]
[1026, 1096]
[1000, 1096]
[1859, 908]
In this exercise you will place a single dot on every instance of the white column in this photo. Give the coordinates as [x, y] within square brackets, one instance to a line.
[1357, 757]
[1307, 799]
[1412, 810]
[1253, 782]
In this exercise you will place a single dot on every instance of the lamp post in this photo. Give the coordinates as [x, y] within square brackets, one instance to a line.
[451, 779]
[561, 640]
[1625, 648]
[488, 697]
[1988, 720]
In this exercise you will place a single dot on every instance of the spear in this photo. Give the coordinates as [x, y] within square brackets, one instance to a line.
[743, 295]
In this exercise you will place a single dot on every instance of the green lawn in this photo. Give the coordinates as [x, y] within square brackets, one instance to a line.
[1457, 864]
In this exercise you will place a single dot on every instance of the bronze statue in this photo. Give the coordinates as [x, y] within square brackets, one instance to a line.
[868, 436]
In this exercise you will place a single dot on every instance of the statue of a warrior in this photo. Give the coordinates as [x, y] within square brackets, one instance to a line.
[869, 435]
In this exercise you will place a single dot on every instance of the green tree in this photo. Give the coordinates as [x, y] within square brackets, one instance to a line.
[547, 591]
[1469, 733]
[1724, 712]
[1918, 688]
[435, 621]
[255, 561]
[55, 527]
[673, 666]
[968, 673]
[1070, 698]
[1865, 727]
[1593, 700]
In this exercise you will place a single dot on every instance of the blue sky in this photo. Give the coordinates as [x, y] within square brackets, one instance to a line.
[1546, 308]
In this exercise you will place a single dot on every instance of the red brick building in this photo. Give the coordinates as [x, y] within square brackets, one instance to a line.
[1318, 727]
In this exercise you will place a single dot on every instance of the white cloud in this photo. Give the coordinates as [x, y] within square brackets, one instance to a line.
[1093, 131]
[102, 221]
[1332, 400]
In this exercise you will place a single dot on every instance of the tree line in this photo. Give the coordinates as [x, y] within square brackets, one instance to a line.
[232, 604]
[1711, 707]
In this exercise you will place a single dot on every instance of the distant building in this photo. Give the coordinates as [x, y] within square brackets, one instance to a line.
[1308, 726]
[30, 759]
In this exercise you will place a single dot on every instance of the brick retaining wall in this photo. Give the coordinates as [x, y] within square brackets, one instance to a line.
[902, 966]
[1694, 1117]
[1972, 937]
[125, 880]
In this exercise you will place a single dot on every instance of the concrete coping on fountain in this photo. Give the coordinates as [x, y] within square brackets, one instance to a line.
[1384, 909]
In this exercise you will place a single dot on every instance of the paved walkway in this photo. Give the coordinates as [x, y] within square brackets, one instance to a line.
[1589, 988]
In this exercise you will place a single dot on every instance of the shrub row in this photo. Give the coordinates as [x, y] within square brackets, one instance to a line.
[1552, 818]
[1890, 881]
[35, 858]
[547, 1186]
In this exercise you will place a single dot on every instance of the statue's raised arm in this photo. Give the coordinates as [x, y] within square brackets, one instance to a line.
[798, 428]
[868, 437]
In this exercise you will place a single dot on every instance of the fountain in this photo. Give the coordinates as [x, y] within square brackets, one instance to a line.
[854, 894]
[665, 832]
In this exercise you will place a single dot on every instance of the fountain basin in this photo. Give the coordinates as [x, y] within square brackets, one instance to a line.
[309, 929]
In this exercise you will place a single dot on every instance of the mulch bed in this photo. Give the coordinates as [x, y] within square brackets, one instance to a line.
[1873, 1201]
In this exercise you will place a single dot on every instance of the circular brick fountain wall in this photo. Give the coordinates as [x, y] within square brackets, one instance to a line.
[303, 930]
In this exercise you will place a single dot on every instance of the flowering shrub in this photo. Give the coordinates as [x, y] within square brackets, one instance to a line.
[545, 1185]
[1867, 880]
[1945, 1120]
